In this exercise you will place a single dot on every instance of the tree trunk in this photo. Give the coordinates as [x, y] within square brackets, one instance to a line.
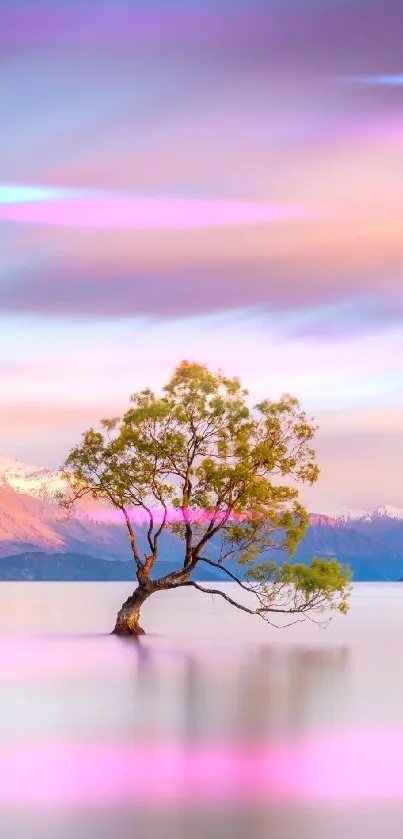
[127, 621]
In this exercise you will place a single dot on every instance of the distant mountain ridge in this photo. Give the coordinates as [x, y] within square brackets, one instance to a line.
[70, 567]
[31, 522]
[347, 516]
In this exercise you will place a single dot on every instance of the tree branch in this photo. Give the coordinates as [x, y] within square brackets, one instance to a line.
[133, 542]
[150, 530]
[220, 594]
[227, 571]
[211, 529]
[262, 613]
[160, 529]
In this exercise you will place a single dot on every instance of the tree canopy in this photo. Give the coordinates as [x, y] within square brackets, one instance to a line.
[198, 462]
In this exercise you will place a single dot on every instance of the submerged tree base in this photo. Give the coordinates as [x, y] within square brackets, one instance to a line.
[127, 621]
[124, 628]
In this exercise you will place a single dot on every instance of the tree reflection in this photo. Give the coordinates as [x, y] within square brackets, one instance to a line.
[263, 693]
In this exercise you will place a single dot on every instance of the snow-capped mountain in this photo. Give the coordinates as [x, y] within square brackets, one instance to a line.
[371, 542]
[342, 514]
[40, 482]
[31, 522]
[384, 512]
[24, 478]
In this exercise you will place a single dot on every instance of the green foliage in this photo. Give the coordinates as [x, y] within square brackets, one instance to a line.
[300, 588]
[229, 472]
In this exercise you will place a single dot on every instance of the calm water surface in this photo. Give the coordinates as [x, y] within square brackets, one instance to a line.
[214, 725]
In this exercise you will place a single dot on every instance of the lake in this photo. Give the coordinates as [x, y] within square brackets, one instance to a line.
[213, 725]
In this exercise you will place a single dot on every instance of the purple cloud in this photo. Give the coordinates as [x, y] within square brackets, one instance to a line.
[299, 33]
[224, 98]
[321, 309]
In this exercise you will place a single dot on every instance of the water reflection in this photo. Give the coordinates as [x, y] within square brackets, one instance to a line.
[253, 694]
[168, 737]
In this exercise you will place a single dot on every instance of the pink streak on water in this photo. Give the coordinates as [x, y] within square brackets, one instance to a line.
[351, 766]
[146, 213]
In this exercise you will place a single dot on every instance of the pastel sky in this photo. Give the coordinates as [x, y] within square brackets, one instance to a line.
[217, 180]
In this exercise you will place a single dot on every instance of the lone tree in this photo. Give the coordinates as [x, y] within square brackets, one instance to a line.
[197, 462]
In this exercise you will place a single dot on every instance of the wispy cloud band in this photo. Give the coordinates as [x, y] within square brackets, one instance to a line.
[61, 207]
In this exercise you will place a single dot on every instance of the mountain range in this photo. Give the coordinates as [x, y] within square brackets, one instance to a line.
[38, 542]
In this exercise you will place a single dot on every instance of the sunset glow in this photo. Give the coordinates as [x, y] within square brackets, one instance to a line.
[214, 181]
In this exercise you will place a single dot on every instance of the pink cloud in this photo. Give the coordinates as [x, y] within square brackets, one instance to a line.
[146, 213]
[29, 419]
